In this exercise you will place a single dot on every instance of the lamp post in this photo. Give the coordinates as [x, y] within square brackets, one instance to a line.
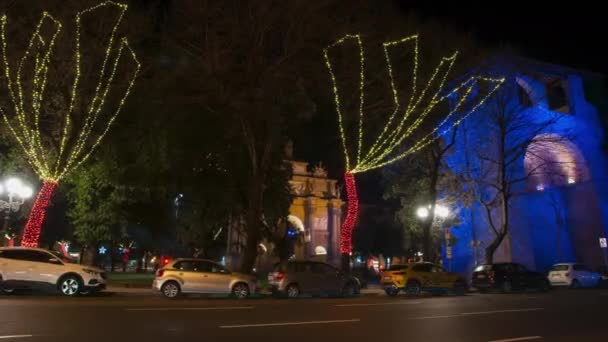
[16, 192]
[441, 212]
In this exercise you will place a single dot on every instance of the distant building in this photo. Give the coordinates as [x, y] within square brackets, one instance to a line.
[560, 182]
[312, 229]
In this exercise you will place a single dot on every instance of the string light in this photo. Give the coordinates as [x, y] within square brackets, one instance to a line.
[402, 122]
[76, 144]
[398, 127]
[31, 233]
[346, 232]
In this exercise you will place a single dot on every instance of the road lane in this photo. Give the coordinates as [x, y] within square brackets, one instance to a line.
[557, 316]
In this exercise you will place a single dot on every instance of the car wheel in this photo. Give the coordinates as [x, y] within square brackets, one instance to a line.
[8, 291]
[575, 284]
[70, 286]
[293, 291]
[391, 291]
[460, 288]
[413, 288]
[546, 286]
[240, 290]
[506, 287]
[170, 289]
[349, 290]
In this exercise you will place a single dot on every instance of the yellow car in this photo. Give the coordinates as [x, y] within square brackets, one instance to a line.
[412, 278]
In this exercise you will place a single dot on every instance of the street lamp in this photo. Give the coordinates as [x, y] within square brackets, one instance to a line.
[441, 212]
[16, 192]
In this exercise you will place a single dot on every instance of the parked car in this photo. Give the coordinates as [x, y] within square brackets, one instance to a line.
[186, 276]
[35, 268]
[413, 278]
[299, 277]
[573, 275]
[508, 277]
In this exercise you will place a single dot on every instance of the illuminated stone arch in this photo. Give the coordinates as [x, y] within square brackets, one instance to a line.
[552, 160]
[296, 223]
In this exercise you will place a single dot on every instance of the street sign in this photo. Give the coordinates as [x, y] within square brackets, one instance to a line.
[603, 243]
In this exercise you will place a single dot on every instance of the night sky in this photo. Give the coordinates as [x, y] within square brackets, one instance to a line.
[560, 32]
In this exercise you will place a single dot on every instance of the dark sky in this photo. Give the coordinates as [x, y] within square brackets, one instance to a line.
[567, 33]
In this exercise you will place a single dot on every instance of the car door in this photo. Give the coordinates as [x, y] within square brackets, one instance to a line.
[185, 270]
[302, 274]
[584, 275]
[220, 278]
[527, 278]
[440, 277]
[423, 274]
[14, 265]
[43, 267]
[317, 280]
[330, 278]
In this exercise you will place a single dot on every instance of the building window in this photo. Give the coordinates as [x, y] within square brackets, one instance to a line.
[556, 96]
[524, 97]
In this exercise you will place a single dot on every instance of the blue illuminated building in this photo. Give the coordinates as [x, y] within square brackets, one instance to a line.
[554, 163]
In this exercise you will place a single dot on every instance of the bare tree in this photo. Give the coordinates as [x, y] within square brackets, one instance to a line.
[515, 125]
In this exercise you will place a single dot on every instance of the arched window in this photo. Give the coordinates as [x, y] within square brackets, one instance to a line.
[552, 160]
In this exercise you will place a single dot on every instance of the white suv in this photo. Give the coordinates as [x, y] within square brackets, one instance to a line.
[573, 275]
[23, 268]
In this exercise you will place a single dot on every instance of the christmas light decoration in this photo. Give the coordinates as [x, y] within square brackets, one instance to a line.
[75, 144]
[351, 215]
[404, 119]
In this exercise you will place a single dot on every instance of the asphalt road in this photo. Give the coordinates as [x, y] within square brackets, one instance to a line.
[563, 315]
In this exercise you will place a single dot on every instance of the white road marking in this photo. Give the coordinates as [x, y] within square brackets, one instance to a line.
[192, 308]
[525, 338]
[477, 313]
[378, 304]
[287, 323]
[500, 311]
[14, 336]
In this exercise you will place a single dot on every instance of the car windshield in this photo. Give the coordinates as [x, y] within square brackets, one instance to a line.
[482, 268]
[559, 268]
[64, 258]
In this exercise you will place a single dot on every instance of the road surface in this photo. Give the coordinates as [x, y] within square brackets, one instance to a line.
[562, 315]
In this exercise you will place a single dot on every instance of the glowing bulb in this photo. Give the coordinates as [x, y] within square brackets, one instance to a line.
[540, 187]
[442, 211]
[26, 192]
[13, 186]
[571, 180]
[422, 212]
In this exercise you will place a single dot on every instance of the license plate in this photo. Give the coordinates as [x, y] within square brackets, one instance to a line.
[481, 276]
[387, 278]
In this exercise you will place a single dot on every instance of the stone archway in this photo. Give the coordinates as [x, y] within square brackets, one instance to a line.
[552, 160]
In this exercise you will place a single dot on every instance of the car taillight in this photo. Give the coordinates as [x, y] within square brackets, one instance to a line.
[491, 275]
[278, 276]
[159, 273]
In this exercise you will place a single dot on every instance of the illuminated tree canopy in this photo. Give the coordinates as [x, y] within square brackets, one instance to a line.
[406, 117]
[83, 121]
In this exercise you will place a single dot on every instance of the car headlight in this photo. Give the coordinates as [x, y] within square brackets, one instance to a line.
[90, 271]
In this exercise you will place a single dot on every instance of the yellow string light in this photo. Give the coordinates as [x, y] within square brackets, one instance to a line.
[25, 123]
[383, 150]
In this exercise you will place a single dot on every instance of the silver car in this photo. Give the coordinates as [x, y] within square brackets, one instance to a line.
[201, 276]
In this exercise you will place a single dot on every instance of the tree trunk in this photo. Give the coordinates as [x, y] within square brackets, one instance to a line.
[492, 247]
[427, 250]
[346, 232]
[252, 221]
[31, 233]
